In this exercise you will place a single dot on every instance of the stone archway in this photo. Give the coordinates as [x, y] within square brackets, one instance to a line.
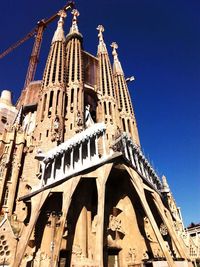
[78, 239]
[41, 243]
[125, 239]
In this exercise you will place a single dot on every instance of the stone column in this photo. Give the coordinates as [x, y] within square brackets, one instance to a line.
[100, 222]
[96, 147]
[14, 177]
[81, 154]
[137, 163]
[43, 166]
[88, 150]
[104, 145]
[3, 179]
[63, 163]
[68, 189]
[142, 168]
[125, 149]
[136, 181]
[37, 203]
[166, 217]
[72, 159]
[146, 173]
[89, 229]
[131, 154]
[53, 169]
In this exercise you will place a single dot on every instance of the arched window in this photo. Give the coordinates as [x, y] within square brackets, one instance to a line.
[123, 124]
[72, 100]
[44, 106]
[50, 103]
[129, 126]
[57, 99]
[105, 110]
[110, 109]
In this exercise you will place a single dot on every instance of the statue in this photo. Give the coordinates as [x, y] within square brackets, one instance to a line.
[88, 118]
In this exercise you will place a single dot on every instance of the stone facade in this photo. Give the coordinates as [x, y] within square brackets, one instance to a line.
[193, 242]
[75, 187]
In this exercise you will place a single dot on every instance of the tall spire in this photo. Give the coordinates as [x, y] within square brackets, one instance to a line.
[74, 79]
[117, 68]
[127, 117]
[55, 71]
[59, 34]
[102, 46]
[52, 99]
[108, 102]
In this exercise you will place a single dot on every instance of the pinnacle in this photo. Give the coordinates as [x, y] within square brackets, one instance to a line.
[116, 65]
[59, 34]
[74, 27]
[102, 46]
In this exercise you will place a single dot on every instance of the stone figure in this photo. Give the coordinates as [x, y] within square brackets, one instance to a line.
[88, 118]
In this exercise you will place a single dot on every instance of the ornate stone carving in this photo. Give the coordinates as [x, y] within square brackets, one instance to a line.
[115, 224]
[168, 247]
[145, 255]
[57, 129]
[77, 251]
[94, 224]
[42, 257]
[79, 119]
[147, 228]
[131, 256]
[163, 229]
[115, 229]
[88, 118]
[157, 253]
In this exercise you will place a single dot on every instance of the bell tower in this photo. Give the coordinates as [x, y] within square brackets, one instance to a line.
[50, 115]
[74, 79]
[108, 100]
[127, 117]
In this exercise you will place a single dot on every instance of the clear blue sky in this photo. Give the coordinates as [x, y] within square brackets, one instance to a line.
[159, 43]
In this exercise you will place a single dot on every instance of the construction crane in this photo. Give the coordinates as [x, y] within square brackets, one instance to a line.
[38, 33]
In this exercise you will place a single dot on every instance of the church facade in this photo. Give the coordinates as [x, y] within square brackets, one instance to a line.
[75, 186]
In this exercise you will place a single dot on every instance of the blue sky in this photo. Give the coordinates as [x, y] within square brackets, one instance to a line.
[159, 43]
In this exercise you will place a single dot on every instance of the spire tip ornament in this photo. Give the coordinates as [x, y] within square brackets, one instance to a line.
[62, 14]
[74, 27]
[59, 33]
[114, 45]
[75, 14]
[101, 29]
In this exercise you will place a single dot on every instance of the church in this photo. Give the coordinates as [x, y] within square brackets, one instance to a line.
[75, 186]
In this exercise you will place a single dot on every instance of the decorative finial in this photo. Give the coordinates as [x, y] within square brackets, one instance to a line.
[114, 45]
[75, 14]
[74, 27]
[117, 68]
[100, 28]
[59, 33]
[62, 15]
